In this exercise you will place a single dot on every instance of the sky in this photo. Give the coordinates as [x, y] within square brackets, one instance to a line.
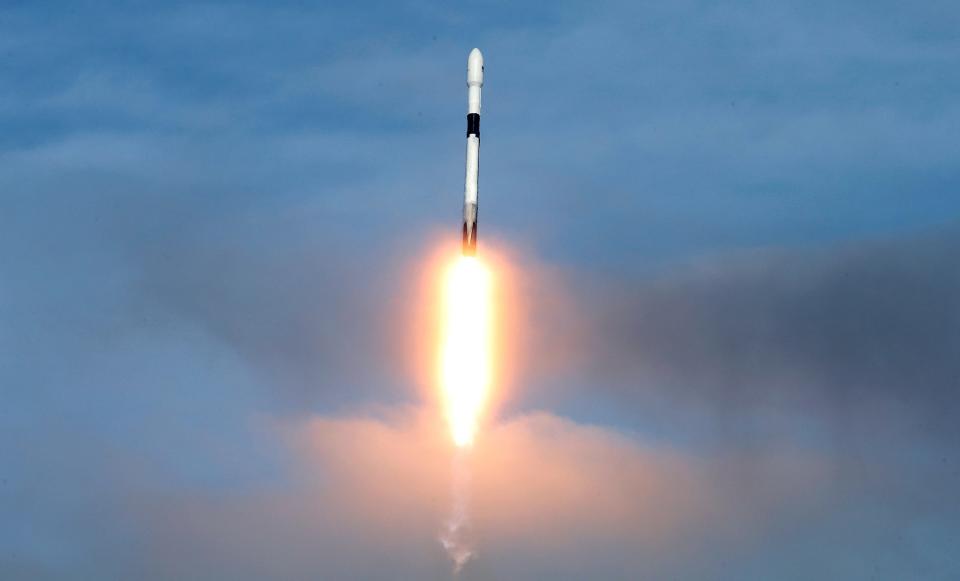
[729, 231]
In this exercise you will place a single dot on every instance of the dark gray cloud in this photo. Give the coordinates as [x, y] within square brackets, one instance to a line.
[838, 329]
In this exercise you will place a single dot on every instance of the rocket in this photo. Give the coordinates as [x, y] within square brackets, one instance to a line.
[474, 84]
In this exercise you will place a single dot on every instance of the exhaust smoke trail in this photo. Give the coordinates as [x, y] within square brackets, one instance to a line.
[465, 374]
[455, 536]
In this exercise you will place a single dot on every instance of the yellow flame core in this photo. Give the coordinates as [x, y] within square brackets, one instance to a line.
[466, 347]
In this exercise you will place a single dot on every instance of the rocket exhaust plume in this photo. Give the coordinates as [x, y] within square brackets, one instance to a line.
[465, 352]
[465, 376]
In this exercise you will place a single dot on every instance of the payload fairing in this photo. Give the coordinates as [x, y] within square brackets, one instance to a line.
[474, 84]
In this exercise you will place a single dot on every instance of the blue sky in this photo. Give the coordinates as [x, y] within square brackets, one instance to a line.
[742, 220]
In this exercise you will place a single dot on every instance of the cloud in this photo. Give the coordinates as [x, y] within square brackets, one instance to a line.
[836, 332]
[199, 336]
[366, 495]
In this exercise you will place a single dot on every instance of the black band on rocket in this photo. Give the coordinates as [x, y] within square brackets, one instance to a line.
[473, 124]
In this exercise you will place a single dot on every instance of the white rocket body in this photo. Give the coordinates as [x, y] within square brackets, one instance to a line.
[474, 85]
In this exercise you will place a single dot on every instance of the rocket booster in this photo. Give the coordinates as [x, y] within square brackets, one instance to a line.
[474, 84]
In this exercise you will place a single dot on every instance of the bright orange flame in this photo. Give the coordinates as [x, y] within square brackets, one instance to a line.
[466, 346]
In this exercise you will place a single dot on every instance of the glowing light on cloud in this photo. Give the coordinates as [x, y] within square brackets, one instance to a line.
[466, 346]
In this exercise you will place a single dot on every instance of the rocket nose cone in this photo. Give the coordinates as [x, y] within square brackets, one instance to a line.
[475, 68]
